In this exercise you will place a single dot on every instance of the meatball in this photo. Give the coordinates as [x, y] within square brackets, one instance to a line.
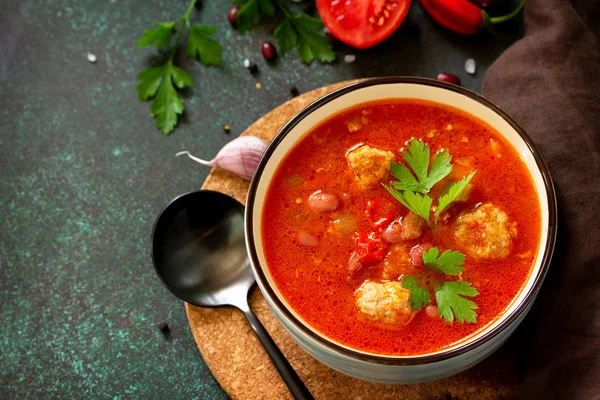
[370, 165]
[486, 232]
[387, 302]
[397, 262]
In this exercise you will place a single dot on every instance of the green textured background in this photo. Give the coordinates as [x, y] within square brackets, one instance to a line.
[85, 172]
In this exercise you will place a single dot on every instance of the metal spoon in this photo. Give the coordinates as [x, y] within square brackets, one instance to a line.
[199, 253]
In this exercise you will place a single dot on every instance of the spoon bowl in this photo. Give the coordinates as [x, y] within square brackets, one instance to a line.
[199, 250]
[199, 253]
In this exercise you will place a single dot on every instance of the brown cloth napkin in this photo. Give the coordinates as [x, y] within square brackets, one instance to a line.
[550, 83]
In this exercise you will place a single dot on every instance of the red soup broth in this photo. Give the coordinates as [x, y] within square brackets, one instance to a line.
[316, 282]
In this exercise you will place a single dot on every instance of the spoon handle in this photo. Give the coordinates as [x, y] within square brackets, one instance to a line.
[289, 376]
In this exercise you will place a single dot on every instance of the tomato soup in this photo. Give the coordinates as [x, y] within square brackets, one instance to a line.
[401, 227]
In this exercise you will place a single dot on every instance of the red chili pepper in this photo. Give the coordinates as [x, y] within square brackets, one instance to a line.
[462, 16]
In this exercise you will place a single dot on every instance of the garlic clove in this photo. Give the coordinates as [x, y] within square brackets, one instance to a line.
[240, 156]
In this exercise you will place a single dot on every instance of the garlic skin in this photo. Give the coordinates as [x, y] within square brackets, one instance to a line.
[240, 156]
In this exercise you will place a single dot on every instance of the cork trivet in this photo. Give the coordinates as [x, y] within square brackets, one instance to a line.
[244, 370]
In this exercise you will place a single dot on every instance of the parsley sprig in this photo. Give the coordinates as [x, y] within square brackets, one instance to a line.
[411, 188]
[296, 29]
[450, 296]
[161, 83]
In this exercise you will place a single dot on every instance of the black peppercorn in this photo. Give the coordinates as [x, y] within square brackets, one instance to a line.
[164, 328]
[250, 66]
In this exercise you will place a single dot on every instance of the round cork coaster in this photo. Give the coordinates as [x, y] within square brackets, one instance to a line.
[244, 370]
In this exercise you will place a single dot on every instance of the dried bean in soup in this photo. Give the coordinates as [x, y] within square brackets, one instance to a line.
[323, 202]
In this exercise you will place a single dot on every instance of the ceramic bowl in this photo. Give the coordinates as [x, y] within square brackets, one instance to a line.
[400, 369]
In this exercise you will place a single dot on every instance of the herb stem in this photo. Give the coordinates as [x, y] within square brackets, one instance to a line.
[184, 22]
[288, 15]
[283, 9]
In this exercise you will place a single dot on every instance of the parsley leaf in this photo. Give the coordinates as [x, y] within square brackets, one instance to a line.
[202, 47]
[286, 36]
[161, 35]
[451, 303]
[440, 168]
[159, 83]
[419, 297]
[307, 33]
[417, 157]
[251, 11]
[312, 42]
[150, 78]
[415, 202]
[406, 180]
[454, 190]
[448, 263]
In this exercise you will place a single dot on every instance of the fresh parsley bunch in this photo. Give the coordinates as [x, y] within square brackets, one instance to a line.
[161, 83]
[411, 189]
[296, 29]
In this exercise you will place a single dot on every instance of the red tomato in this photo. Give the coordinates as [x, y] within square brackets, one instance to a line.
[362, 23]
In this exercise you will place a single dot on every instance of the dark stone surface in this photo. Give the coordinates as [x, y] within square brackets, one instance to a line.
[85, 172]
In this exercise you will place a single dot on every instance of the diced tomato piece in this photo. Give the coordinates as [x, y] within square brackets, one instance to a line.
[369, 250]
[416, 253]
